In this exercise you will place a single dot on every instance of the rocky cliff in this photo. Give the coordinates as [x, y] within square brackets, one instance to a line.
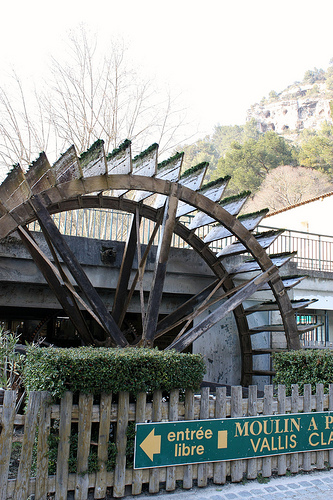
[296, 108]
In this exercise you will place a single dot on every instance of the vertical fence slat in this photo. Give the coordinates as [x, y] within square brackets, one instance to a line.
[220, 469]
[320, 407]
[66, 405]
[268, 410]
[307, 457]
[189, 415]
[252, 463]
[103, 442]
[282, 459]
[30, 426]
[154, 474]
[83, 446]
[173, 415]
[330, 407]
[294, 409]
[236, 410]
[6, 438]
[121, 441]
[43, 447]
[140, 416]
[204, 413]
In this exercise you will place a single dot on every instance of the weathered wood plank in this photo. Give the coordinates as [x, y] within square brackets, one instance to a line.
[189, 415]
[121, 442]
[43, 447]
[236, 466]
[154, 474]
[307, 393]
[83, 446]
[155, 295]
[103, 441]
[282, 459]
[237, 248]
[140, 416]
[232, 205]
[252, 463]
[14, 190]
[30, 425]
[67, 167]
[220, 468]
[173, 416]
[40, 175]
[125, 271]
[66, 407]
[294, 462]
[268, 410]
[204, 414]
[168, 170]
[6, 438]
[93, 161]
[320, 407]
[119, 161]
[249, 221]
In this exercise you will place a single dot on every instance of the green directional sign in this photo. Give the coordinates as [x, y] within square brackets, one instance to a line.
[158, 444]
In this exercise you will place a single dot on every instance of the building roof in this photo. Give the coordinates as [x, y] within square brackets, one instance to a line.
[305, 202]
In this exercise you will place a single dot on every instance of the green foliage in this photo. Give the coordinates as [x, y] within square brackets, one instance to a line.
[11, 363]
[146, 152]
[303, 367]
[315, 75]
[249, 163]
[96, 370]
[317, 150]
[194, 169]
[173, 158]
[123, 146]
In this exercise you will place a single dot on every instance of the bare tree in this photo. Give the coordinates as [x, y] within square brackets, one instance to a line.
[287, 185]
[91, 95]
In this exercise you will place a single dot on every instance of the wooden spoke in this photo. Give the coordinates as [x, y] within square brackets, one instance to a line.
[163, 248]
[223, 310]
[125, 270]
[48, 227]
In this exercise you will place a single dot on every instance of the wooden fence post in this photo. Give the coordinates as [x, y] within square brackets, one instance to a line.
[140, 416]
[220, 469]
[320, 407]
[189, 415]
[6, 438]
[154, 474]
[103, 443]
[294, 409]
[307, 394]
[252, 463]
[121, 441]
[83, 446]
[282, 459]
[204, 413]
[236, 410]
[30, 425]
[268, 410]
[173, 415]
[61, 486]
[43, 447]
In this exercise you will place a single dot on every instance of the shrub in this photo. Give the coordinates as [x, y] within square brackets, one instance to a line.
[97, 370]
[301, 367]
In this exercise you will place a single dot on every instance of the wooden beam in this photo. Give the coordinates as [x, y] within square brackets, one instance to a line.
[54, 280]
[224, 309]
[162, 255]
[74, 267]
[125, 270]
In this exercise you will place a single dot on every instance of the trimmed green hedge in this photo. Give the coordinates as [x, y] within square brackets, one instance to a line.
[306, 366]
[96, 370]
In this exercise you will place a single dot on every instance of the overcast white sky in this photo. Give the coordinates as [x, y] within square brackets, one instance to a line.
[221, 55]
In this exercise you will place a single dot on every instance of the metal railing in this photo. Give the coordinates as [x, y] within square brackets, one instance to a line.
[314, 251]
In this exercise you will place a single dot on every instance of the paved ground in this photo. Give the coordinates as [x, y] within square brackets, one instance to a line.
[313, 486]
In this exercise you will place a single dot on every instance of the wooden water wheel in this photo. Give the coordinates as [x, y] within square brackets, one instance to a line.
[146, 189]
